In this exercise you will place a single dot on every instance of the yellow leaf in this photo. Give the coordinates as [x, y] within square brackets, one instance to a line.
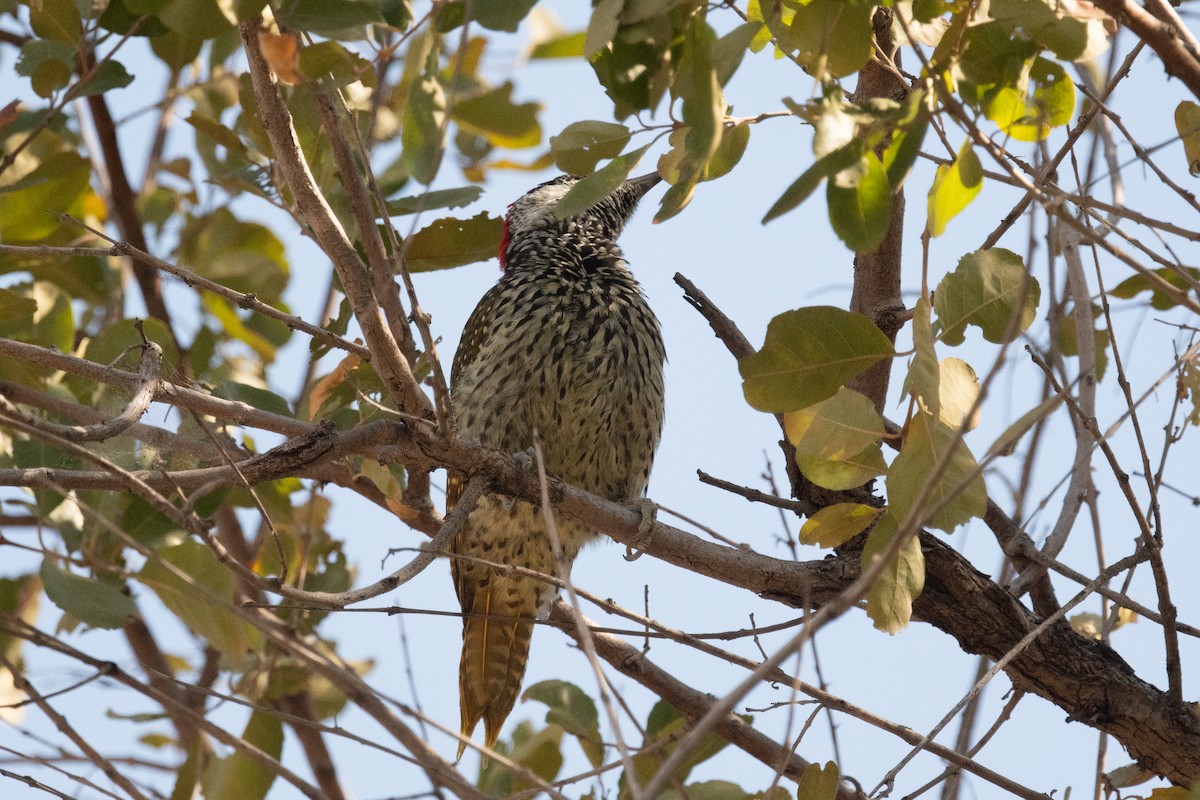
[837, 428]
[837, 524]
[957, 388]
[890, 598]
[846, 473]
[818, 783]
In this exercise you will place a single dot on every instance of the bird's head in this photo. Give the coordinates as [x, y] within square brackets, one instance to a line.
[535, 210]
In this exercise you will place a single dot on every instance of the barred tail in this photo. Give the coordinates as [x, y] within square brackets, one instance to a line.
[496, 633]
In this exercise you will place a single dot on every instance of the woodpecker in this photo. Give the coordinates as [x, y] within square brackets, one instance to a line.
[564, 345]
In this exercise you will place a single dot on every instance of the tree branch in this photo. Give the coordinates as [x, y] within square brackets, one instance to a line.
[1163, 35]
[391, 365]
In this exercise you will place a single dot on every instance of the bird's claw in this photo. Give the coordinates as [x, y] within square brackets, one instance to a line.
[649, 511]
[526, 460]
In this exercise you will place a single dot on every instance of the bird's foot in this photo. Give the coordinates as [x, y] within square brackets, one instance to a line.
[526, 460]
[649, 511]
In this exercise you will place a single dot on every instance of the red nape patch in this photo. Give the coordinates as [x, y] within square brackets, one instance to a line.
[504, 239]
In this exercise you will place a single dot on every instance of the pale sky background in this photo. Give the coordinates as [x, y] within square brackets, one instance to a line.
[752, 272]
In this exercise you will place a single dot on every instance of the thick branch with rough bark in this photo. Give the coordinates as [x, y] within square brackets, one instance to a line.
[1087, 680]
[1160, 27]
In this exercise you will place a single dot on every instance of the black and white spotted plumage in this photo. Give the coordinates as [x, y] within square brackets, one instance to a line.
[564, 344]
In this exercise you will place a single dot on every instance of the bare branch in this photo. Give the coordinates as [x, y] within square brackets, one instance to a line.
[148, 376]
[1161, 29]
[392, 367]
[692, 704]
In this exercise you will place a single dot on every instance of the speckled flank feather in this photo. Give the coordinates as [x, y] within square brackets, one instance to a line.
[566, 345]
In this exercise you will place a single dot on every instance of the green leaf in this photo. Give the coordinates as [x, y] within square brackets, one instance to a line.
[902, 151]
[28, 206]
[1068, 345]
[241, 326]
[634, 71]
[396, 13]
[238, 775]
[1038, 102]
[697, 86]
[56, 20]
[1048, 23]
[54, 322]
[48, 63]
[541, 754]
[573, 711]
[495, 117]
[831, 38]
[582, 145]
[754, 13]
[333, 59]
[923, 374]
[217, 133]
[434, 200]
[990, 289]
[890, 598]
[807, 355]
[118, 18]
[567, 45]
[664, 727]
[844, 473]
[254, 396]
[603, 26]
[927, 10]
[703, 112]
[1006, 442]
[422, 134]
[1189, 386]
[187, 775]
[204, 602]
[26, 453]
[959, 492]
[1187, 124]
[860, 204]
[835, 428]
[954, 187]
[837, 524]
[707, 790]
[452, 242]
[599, 185]
[327, 17]
[1182, 278]
[729, 50]
[501, 15]
[244, 256]
[830, 164]
[205, 19]
[818, 783]
[49, 76]
[729, 152]
[96, 603]
[176, 49]
[538, 751]
[16, 314]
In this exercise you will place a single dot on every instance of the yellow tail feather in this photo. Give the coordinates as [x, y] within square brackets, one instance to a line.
[496, 635]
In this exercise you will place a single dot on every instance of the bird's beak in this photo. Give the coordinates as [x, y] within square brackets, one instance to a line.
[643, 183]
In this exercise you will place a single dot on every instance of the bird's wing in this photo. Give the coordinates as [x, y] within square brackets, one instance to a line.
[475, 333]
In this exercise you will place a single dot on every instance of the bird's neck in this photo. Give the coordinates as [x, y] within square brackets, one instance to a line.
[571, 249]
